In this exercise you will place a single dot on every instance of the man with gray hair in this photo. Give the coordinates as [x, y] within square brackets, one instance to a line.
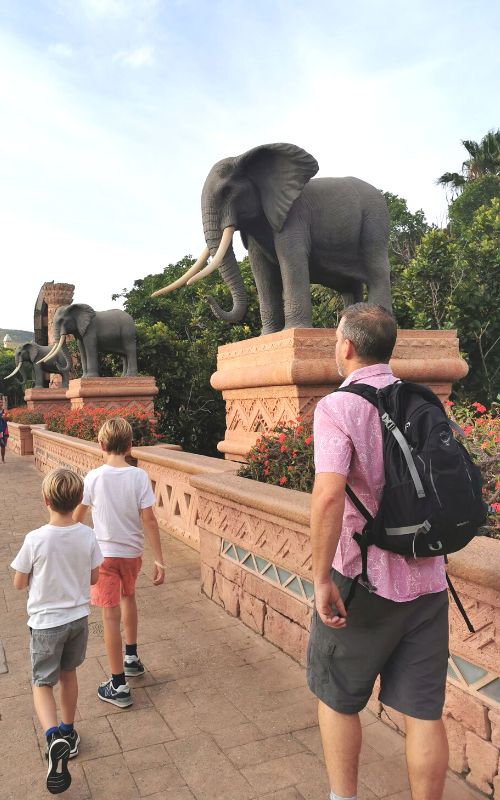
[398, 631]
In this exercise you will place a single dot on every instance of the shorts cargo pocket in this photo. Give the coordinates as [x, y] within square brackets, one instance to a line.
[320, 650]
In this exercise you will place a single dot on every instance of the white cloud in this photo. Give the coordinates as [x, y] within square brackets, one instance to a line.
[61, 50]
[118, 9]
[139, 57]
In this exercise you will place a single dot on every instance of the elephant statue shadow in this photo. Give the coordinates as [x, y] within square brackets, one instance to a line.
[95, 332]
[298, 231]
[32, 353]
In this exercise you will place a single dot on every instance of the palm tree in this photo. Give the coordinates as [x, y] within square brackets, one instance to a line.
[484, 159]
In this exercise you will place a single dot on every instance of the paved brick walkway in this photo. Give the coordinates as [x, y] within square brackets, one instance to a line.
[221, 714]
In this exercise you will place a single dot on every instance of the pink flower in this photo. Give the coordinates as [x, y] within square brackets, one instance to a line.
[282, 480]
[449, 403]
[281, 438]
[309, 439]
[479, 408]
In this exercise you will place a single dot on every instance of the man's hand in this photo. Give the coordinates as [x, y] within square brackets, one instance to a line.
[329, 604]
[158, 575]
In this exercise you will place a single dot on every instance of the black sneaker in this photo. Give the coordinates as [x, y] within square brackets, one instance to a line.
[118, 697]
[133, 666]
[73, 740]
[58, 777]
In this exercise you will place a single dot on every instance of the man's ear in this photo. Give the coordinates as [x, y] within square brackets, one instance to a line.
[349, 351]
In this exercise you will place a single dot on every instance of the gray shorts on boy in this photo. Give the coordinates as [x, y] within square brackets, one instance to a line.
[56, 649]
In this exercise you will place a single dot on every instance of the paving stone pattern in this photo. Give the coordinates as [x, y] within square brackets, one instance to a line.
[221, 714]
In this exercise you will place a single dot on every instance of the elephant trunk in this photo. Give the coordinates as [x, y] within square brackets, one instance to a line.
[230, 272]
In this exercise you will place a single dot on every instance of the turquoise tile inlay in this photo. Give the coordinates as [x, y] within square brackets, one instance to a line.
[308, 589]
[492, 690]
[241, 553]
[270, 572]
[283, 575]
[283, 578]
[295, 587]
[261, 563]
[249, 563]
[470, 672]
[231, 553]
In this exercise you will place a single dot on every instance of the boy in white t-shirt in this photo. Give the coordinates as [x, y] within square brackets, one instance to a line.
[58, 562]
[122, 502]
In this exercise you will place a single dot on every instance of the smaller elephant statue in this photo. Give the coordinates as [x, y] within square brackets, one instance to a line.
[96, 332]
[32, 353]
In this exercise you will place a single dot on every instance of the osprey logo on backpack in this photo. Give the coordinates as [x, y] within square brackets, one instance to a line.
[432, 500]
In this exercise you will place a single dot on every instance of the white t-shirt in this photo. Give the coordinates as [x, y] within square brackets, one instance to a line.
[60, 560]
[117, 495]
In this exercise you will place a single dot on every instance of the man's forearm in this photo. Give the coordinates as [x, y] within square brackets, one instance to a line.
[326, 524]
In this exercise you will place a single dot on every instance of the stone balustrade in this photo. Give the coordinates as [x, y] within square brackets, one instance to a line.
[21, 438]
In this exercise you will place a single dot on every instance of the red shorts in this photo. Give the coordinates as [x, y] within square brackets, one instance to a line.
[117, 577]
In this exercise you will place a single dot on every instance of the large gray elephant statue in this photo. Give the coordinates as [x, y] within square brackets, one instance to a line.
[32, 353]
[96, 332]
[298, 231]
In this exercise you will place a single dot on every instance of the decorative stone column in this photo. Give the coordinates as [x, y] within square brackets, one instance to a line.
[55, 295]
[271, 379]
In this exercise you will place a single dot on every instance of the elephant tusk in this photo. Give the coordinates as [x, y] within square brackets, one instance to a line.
[202, 260]
[218, 258]
[54, 351]
[14, 372]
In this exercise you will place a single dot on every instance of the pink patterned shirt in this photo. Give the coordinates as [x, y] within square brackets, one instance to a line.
[348, 441]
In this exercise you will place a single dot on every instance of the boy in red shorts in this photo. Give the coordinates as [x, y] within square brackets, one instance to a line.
[121, 500]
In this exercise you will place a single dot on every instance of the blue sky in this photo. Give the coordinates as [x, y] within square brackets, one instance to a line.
[113, 111]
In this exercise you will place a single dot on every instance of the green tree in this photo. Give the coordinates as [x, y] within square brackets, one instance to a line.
[13, 388]
[484, 159]
[474, 194]
[177, 338]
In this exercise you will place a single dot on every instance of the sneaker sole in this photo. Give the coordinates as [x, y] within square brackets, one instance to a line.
[133, 674]
[72, 753]
[58, 782]
[119, 703]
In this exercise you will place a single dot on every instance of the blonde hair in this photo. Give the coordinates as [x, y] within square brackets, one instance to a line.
[115, 435]
[63, 490]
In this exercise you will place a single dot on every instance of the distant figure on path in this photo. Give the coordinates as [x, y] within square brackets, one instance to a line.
[398, 632]
[122, 502]
[58, 562]
[4, 431]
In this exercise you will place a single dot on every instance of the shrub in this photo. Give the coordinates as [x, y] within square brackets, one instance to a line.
[84, 423]
[284, 456]
[25, 417]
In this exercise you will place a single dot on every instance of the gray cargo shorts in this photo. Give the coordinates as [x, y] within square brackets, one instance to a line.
[405, 643]
[56, 649]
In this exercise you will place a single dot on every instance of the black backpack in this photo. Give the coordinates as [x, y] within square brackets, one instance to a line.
[432, 500]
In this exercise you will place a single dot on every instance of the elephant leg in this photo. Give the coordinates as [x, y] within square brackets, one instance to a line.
[131, 358]
[293, 256]
[83, 359]
[267, 278]
[124, 366]
[353, 296]
[89, 343]
[376, 260]
[38, 376]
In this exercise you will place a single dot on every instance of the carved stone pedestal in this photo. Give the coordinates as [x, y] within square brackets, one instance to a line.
[46, 400]
[271, 379]
[129, 393]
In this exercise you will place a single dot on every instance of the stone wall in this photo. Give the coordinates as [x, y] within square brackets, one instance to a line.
[21, 438]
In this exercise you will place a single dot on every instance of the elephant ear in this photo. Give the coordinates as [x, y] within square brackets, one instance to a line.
[83, 315]
[33, 349]
[280, 172]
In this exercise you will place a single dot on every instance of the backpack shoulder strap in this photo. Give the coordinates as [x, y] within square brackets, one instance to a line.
[362, 390]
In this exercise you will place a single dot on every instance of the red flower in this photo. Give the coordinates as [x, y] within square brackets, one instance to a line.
[281, 438]
[496, 507]
[448, 403]
[283, 449]
[309, 439]
[479, 408]
[282, 480]
[467, 430]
